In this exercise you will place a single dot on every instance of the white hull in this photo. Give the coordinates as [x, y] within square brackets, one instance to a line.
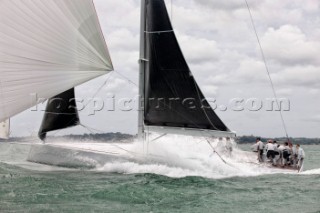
[192, 159]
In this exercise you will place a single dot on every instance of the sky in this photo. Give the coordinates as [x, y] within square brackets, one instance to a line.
[221, 48]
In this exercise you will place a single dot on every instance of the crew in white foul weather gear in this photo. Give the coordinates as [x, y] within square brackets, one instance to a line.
[260, 147]
[286, 154]
[276, 146]
[300, 156]
[293, 156]
[270, 151]
[276, 152]
[281, 149]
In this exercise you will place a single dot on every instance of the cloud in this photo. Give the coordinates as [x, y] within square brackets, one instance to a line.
[314, 91]
[284, 92]
[314, 119]
[305, 76]
[210, 90]
[199, 50]
[250, 70]
[311, 6]
[226, 5]
[118, 14]
[123, 40]
[289, 45]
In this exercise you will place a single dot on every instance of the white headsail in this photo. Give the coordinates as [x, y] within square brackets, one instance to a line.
[5, 129]
[46, 48]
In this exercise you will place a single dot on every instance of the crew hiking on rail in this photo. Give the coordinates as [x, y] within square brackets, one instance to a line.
[283, 155]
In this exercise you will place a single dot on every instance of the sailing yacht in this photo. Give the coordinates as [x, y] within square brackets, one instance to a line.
[164, 76]
[59, 45]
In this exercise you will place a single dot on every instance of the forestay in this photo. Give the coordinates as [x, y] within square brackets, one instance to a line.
[46, 48]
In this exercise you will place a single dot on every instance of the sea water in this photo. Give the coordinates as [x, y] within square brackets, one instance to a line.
[182, 176]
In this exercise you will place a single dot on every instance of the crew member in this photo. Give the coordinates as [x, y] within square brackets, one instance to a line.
[260, 147]
[270, 151]
[276, 152]
[286, 153]
[301, 155]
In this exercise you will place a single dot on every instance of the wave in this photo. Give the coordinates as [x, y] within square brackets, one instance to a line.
[181, 156]
[173, 156]
[311, 172]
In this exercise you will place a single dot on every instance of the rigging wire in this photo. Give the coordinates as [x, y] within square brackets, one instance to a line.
[213, 149]
[100, 88]
[267, 69]
[92, 130]
[95, 94]
[122, 76]
[223, 160]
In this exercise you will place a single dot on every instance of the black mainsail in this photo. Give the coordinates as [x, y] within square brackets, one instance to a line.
[172, 97]
[61, 112]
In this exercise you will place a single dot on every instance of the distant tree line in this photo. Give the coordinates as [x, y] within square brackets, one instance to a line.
[305, 141]
[121, 137]
[105, 137]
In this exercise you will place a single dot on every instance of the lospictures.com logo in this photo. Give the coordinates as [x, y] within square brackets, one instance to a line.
[92, 106]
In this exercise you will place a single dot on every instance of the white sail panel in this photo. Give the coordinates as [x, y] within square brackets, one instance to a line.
[46, 48]
[5, 129]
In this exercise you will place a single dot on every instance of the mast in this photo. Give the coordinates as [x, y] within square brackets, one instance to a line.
[142, 61]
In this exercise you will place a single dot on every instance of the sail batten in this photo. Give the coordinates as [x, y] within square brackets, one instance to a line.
[46, 48]
[173, 99]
